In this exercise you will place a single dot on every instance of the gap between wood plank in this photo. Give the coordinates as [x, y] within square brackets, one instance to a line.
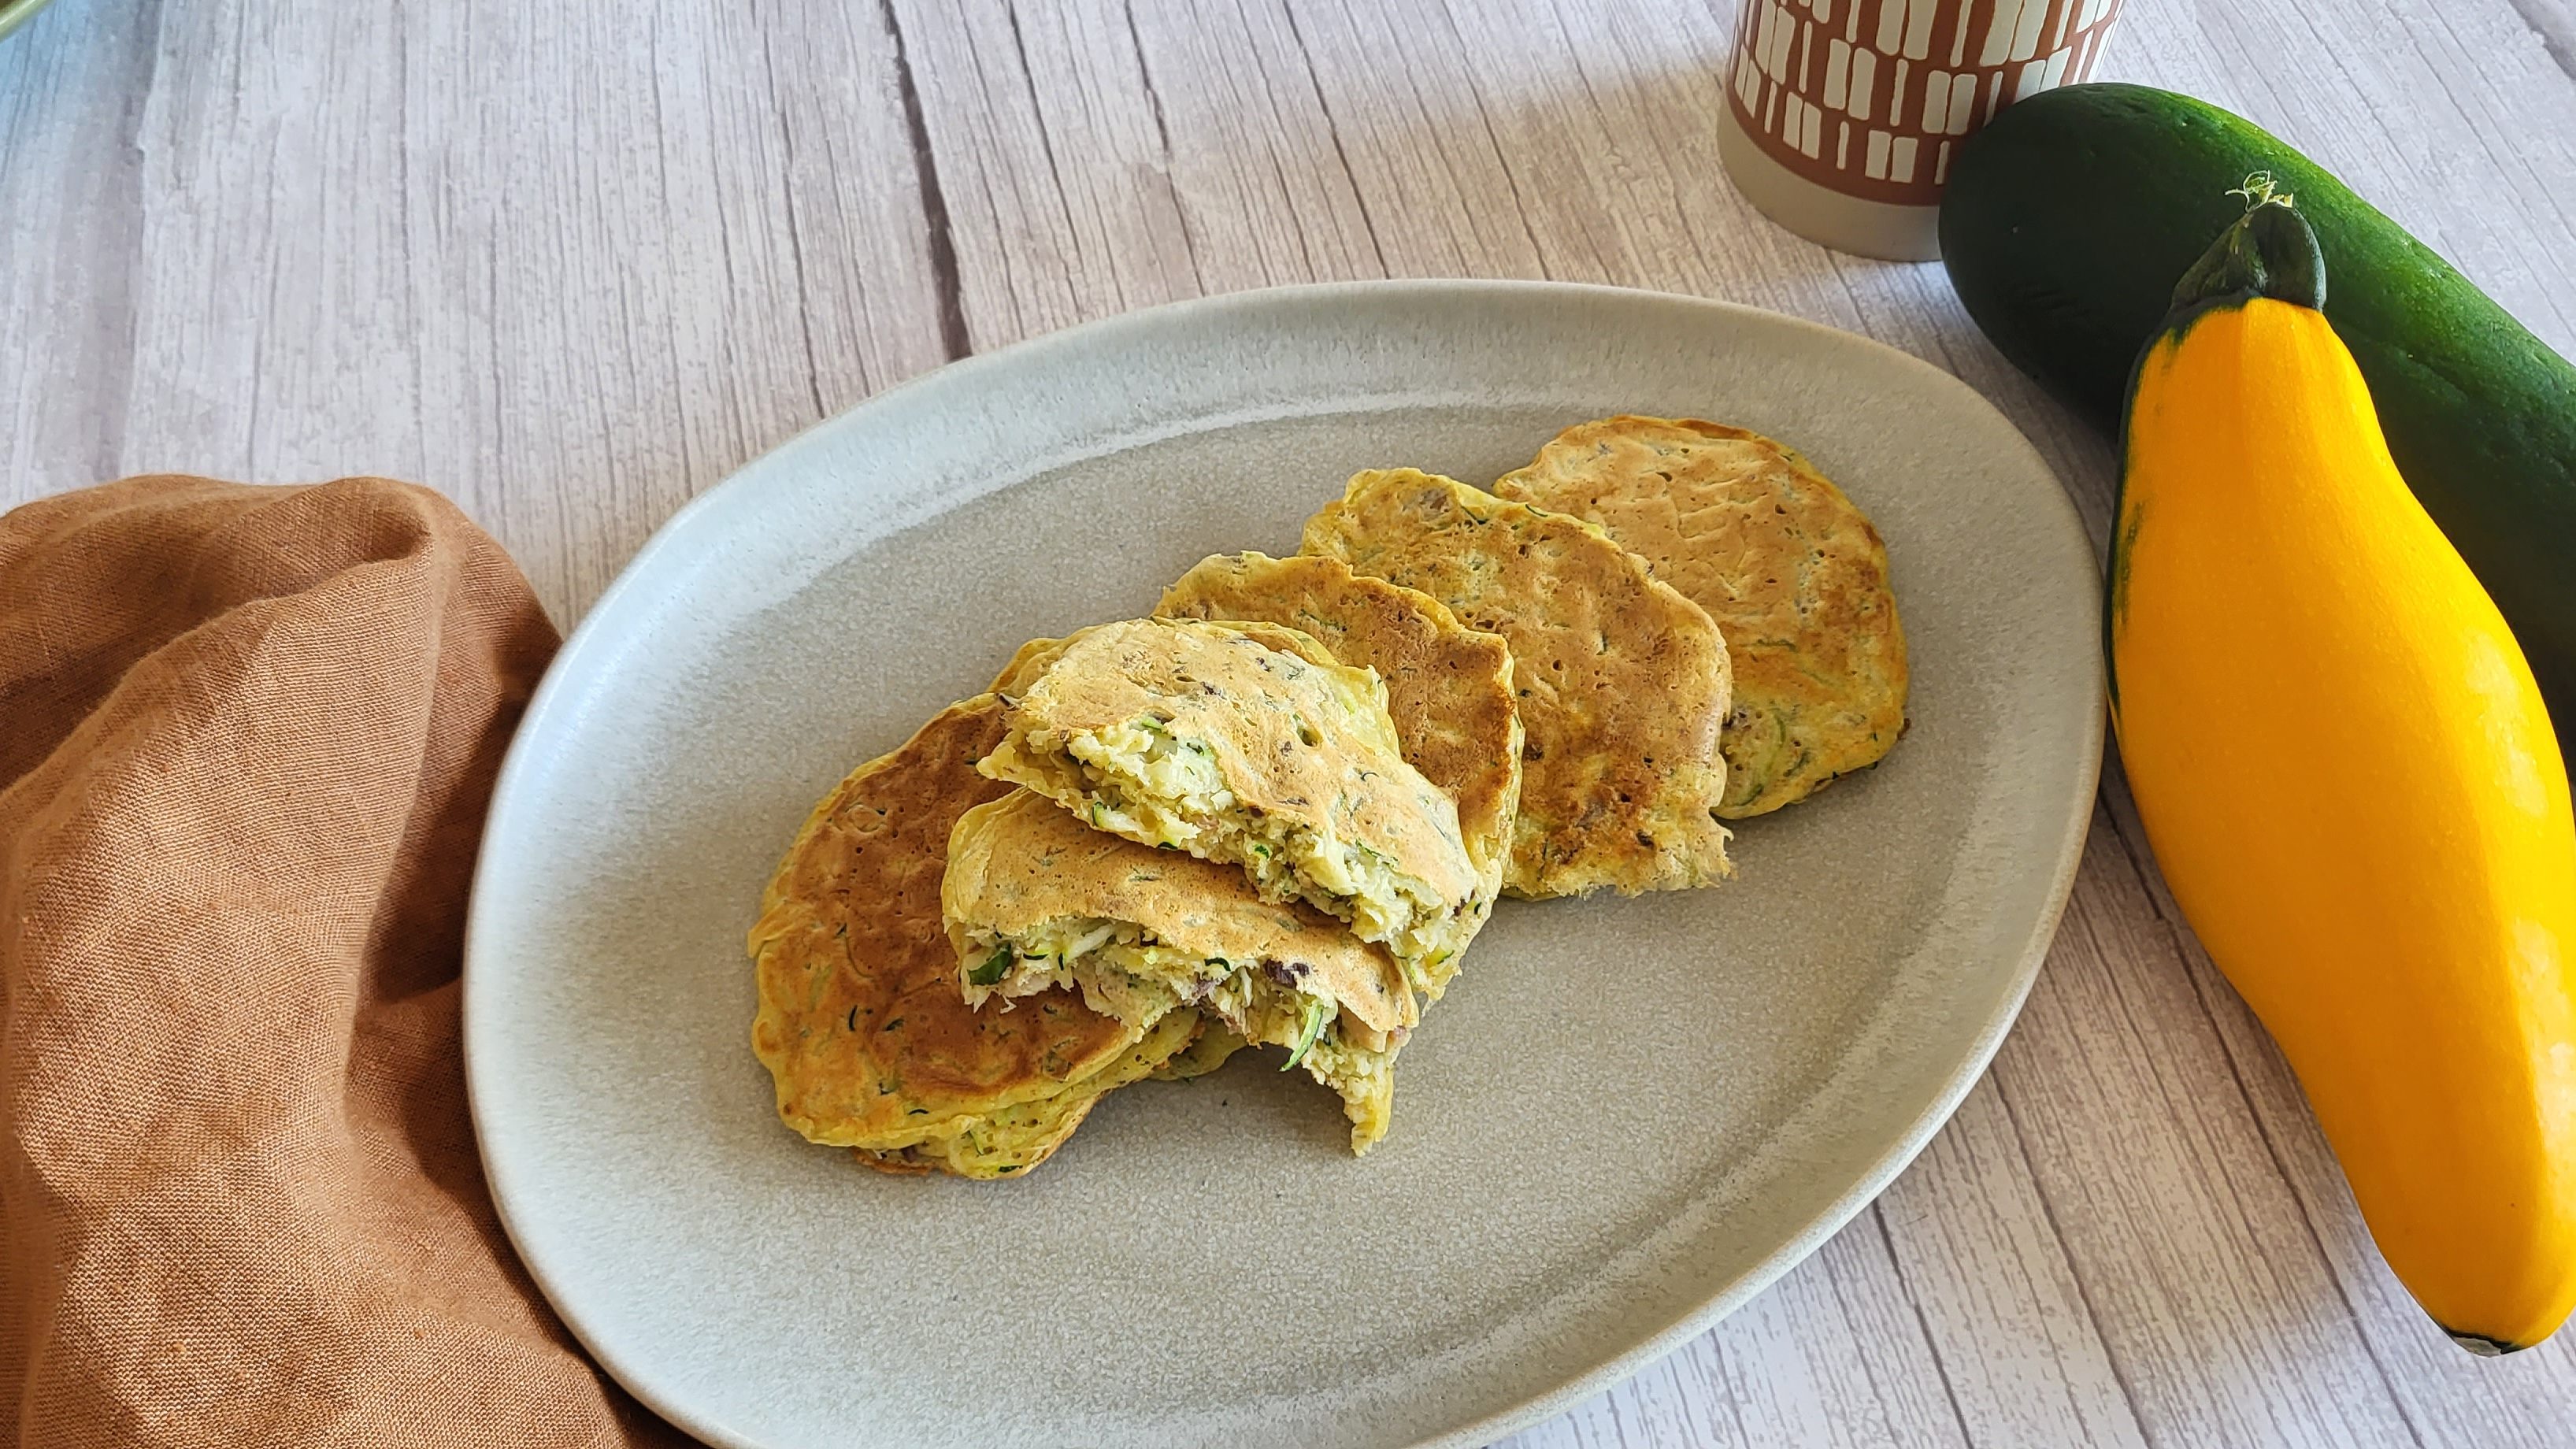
[109, 462]
[2074, 1270]
[1333, 130]
[2074, 1267]
[795, 229]
[1144, 77]
[1502, 158]
[1162, 135]
[953, 338]
[2540, 185]
[1046, 139]
[1922, 1320]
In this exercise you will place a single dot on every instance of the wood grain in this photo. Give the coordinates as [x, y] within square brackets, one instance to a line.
[574, 264]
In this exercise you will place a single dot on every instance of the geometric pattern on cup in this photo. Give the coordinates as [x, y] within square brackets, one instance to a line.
[1867, 97]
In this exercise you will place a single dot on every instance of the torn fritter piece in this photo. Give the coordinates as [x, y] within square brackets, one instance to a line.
[1448, 687]
[1206, 739]
[1037, 903]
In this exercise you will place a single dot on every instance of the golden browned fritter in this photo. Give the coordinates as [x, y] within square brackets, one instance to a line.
[1621, 682]
[1791, 571]
[861, 1022]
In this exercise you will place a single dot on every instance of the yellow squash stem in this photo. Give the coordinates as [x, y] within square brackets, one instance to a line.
[2351, 784]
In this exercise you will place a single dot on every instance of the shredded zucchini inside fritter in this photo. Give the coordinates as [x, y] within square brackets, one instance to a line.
[1139, 781]
[1121, 970]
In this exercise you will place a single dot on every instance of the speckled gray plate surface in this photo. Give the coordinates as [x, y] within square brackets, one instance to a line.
[1625, 1119]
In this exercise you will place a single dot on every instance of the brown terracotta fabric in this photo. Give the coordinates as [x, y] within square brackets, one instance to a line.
[246, 740]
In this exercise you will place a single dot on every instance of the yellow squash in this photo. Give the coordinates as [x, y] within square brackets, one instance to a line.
[2351, 784]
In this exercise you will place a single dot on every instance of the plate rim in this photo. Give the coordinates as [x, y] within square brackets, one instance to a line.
[585, 638]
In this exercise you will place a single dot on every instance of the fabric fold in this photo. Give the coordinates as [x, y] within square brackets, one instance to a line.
[247, 737]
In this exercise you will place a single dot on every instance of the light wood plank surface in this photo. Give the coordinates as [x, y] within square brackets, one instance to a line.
[573, 264]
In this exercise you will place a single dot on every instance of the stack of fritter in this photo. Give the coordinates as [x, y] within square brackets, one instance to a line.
[1278, 811]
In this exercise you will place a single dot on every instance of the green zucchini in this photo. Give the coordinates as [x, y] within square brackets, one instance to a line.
[2069, 219]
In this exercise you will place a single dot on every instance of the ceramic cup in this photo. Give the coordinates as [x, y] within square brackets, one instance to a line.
[1842, 114]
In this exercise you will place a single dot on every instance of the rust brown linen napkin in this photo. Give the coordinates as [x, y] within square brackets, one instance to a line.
[246, 740]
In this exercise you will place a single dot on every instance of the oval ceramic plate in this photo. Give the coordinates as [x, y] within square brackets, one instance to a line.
[1626, 1118]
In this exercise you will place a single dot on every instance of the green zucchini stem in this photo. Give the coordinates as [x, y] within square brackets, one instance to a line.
[2270, 251]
